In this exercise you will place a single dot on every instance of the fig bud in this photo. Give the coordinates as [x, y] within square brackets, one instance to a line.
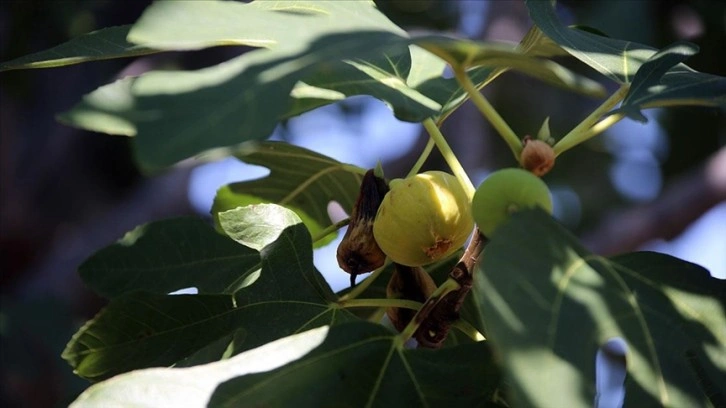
[410, 283]
[537, 156]
[358, 252]
[423, 218]
[505, 192]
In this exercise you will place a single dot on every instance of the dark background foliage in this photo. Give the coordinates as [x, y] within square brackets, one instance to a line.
[65, 193]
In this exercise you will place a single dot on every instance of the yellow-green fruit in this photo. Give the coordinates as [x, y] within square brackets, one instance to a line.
[423, 218]
[505, 192]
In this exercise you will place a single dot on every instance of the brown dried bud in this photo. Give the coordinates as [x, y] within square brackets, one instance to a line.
[537, 157]
[411, 283]
[358, 252]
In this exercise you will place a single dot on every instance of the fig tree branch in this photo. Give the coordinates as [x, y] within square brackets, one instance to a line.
[683, 201]
[436, 323]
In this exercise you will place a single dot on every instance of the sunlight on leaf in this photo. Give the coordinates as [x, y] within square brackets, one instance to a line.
[109, 109]
[568, 303]
[362, 365]
[193, 387]
[256, 226]
[299, 179]
[281, 295]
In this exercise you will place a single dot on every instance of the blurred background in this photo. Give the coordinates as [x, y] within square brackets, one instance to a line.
[65, 193]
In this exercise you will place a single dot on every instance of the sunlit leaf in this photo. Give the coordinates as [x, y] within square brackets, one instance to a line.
[271, 24]
[109, 109]
[548, 305]
[299, 179]
[364, 365]
[138, 330]
[193, 387]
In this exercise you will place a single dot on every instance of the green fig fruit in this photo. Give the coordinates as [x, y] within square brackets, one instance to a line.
[505, 192]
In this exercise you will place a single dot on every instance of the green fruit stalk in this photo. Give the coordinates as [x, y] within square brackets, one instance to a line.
[505, 192]
[423, 218]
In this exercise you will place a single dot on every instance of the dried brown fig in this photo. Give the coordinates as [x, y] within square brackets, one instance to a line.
[410, 283]
[537, 157]
[358, 252]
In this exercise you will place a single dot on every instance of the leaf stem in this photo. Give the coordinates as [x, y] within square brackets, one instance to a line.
[377, 315]
[486, 108]
[601, 126]
[330, 229]
[422, 158]
[447, 287]
[356, 291]
[581, 132]
[449, 156]
[466, 328]
[381, 302]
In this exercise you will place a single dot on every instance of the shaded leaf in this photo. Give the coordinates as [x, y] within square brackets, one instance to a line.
[391, 77]
[165, 256]
[536, 44]
[548, 303]
[498, 55]
[176, 115]
[108, 109]
[299, 179]
[179, 114]
[184, 113]
[192, 387]
[139, 330]
[363, 364]
[106, 43]
[616, 59]
[664, 81]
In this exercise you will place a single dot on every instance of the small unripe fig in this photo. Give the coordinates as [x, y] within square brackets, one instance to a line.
[423, 218]
[537, 156]
[505, 192]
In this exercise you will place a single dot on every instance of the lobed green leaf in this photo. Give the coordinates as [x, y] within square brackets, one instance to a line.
[618, 60]
[193, 386]
[363, 364]
[106, 43]
[548, 303]
[284, 295]
[299, 179]
[165, 256]
[664, 81]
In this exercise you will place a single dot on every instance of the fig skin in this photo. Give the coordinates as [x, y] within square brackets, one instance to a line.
[505, 192]
[423, 218]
